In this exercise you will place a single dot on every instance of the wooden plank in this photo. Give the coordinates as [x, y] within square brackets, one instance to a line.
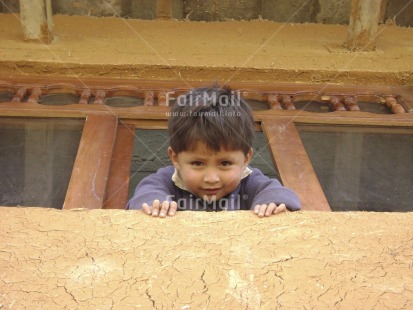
[81, 110]
[354, 129]
[337, 117]
[118, 183]
[364, 22]
[293, 164]
[88, 182]
[147, 115]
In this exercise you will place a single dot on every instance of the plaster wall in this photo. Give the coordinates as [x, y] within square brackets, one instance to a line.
[116, 259]
[294, 11]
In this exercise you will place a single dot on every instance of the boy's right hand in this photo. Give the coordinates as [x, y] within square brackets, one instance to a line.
[160, 209]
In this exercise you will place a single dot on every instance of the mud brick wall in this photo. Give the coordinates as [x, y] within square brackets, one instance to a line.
[111, 259]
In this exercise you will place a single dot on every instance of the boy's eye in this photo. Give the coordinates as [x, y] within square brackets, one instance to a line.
[226, 163]
[196, 163]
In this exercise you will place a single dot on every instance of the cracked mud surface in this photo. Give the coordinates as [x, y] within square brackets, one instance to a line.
[115, 259]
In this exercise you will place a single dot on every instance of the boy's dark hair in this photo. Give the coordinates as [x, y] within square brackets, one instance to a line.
[216, 116]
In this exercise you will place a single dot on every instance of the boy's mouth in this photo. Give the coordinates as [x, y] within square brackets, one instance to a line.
[211, 191]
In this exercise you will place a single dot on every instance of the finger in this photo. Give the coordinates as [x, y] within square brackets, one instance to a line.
[172, 208]
[256, 209]
[270, 209]
[164, 209]
[155, 207]
[146, 208]
[279, 209]
[261, 210]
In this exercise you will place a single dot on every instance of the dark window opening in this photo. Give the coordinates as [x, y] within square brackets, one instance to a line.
[6, 96]
[36, 160]
[59, 99]
[362, 168]
[124, 101]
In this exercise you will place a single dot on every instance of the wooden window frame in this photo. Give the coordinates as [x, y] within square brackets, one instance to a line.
[100, 176]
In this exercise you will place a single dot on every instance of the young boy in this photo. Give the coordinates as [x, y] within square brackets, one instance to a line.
[211, 132]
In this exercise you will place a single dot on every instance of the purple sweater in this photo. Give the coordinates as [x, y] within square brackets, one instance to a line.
[255, 189]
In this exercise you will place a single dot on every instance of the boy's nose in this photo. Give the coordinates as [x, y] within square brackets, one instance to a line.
[211, 176]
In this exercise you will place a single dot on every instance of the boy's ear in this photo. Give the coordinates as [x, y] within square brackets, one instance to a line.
[174, 157]
[248, 157]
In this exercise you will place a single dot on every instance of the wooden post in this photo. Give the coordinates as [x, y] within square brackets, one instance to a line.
[384, 5]
[164, 9]
[87, 186]
[36, 19]
[294, 166]
[118, 183]
[364, 21]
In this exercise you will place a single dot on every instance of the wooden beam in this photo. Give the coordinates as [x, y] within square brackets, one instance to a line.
[293, 164]
[36, 20]
[90, 173]
[118, 185]
[364, 22]
[156, 117]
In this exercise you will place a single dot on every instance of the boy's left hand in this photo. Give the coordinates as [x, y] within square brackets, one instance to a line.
[270, 209]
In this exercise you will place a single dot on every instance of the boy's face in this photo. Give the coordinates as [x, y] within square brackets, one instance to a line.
[210, 175]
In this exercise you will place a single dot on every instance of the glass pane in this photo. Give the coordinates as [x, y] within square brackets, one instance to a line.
[36, 160]
[261, 158]
[59, 99]
[150, 152]
[124, 101]
[362, 168]
[6, 96]
[312, 106]
[257, 105]
[324, 107]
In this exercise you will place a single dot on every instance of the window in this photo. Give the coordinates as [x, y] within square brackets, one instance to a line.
[86, 144]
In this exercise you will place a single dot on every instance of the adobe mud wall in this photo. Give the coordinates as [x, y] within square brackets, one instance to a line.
[111, 259]
[255, 51]
[291, 11]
